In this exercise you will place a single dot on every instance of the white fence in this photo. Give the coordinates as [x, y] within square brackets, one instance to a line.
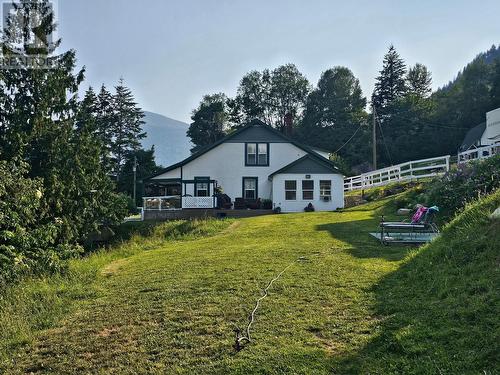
[199, 202]
[478, 153]
[410, 170]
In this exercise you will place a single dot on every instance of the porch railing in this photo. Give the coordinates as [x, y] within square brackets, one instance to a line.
[478, 153]
[169, 202]
[199, 202]
[175, 202]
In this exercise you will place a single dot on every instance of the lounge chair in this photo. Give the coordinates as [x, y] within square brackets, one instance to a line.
[421, 231]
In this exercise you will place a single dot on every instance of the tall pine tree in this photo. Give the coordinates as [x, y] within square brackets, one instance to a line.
[390, 84]
[105, 120]
[127, 126]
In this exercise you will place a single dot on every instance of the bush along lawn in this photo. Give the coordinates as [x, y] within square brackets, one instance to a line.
[170, 300]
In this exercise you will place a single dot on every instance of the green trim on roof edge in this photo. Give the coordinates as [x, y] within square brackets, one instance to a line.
[252, 123]
[324, 162]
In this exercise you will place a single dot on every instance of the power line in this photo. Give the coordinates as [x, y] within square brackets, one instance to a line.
[352, 136]
[426, 122]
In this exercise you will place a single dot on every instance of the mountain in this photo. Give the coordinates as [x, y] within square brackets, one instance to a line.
[168, 137]
[489, 57]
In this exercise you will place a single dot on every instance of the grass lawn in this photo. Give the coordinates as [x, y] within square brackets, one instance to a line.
[170, 305]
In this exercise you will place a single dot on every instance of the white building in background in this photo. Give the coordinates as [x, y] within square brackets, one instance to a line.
[483, 140]
[491, 134]
[253, 167]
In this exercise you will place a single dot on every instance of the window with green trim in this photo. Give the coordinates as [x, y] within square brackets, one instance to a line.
[257, 154]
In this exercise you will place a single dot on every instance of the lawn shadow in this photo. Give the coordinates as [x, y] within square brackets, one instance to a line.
[438, 313]
[361, 244]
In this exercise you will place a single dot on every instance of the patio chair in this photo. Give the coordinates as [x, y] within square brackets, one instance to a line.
[424, 230]
[224, 201]
[239, 204]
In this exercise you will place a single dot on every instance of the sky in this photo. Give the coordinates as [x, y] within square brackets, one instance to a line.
[172, 52]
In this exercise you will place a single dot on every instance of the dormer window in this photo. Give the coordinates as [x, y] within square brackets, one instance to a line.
[257, 154]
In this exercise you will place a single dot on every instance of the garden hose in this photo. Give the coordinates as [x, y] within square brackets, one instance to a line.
[240, 340]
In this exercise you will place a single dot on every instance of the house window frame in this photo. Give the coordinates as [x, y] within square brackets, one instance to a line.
[257, 164]
[243, 190]
[322, 195]
[201, 180]
[291, 190]
[311, 190]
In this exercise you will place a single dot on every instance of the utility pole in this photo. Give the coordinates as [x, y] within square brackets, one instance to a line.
[374, 137]
[134, 169]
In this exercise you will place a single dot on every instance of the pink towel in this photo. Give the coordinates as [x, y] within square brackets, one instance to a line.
[418, 215]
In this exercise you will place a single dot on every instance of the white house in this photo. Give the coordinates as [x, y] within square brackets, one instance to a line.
[254, 162]
[483, 140]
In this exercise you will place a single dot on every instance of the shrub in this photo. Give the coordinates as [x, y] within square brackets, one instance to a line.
[28, 243]
[465, 183]
[267, 204]
[131, 206]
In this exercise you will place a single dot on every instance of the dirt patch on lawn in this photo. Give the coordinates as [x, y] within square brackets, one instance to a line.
[113, 267]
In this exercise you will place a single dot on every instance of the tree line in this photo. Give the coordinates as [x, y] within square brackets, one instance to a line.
[62, 158]
[412, 122]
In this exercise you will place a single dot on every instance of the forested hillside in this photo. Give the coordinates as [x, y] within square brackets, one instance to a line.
[412, 121]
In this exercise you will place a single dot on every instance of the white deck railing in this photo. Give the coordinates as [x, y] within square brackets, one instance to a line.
[411, 170]
[168, 202]
[175, 202]
[199, 202]
[478, 153]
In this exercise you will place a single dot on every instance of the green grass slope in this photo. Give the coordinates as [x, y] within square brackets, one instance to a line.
[441, 308]
[168, 301]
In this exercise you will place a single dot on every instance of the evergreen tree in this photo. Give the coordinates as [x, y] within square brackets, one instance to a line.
[46, 127]
[86, 119]
[127, 126]
[419, 81]
[209, 121]
[390, 84]
[105, 123]
[334, 112]
[495, 87]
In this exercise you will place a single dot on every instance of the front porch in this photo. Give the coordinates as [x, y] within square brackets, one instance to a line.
[175, 199]
[177, 194]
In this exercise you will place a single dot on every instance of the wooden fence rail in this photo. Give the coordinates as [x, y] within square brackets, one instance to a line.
[411, 170]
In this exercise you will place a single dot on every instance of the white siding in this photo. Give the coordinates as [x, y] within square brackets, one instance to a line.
[226, 164]
[174, 173]
[299, 204]
[492, 132]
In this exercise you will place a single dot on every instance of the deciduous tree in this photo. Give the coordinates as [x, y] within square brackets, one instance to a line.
[209, 121]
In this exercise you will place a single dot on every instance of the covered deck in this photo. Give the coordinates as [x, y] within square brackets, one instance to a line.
[177, 194]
